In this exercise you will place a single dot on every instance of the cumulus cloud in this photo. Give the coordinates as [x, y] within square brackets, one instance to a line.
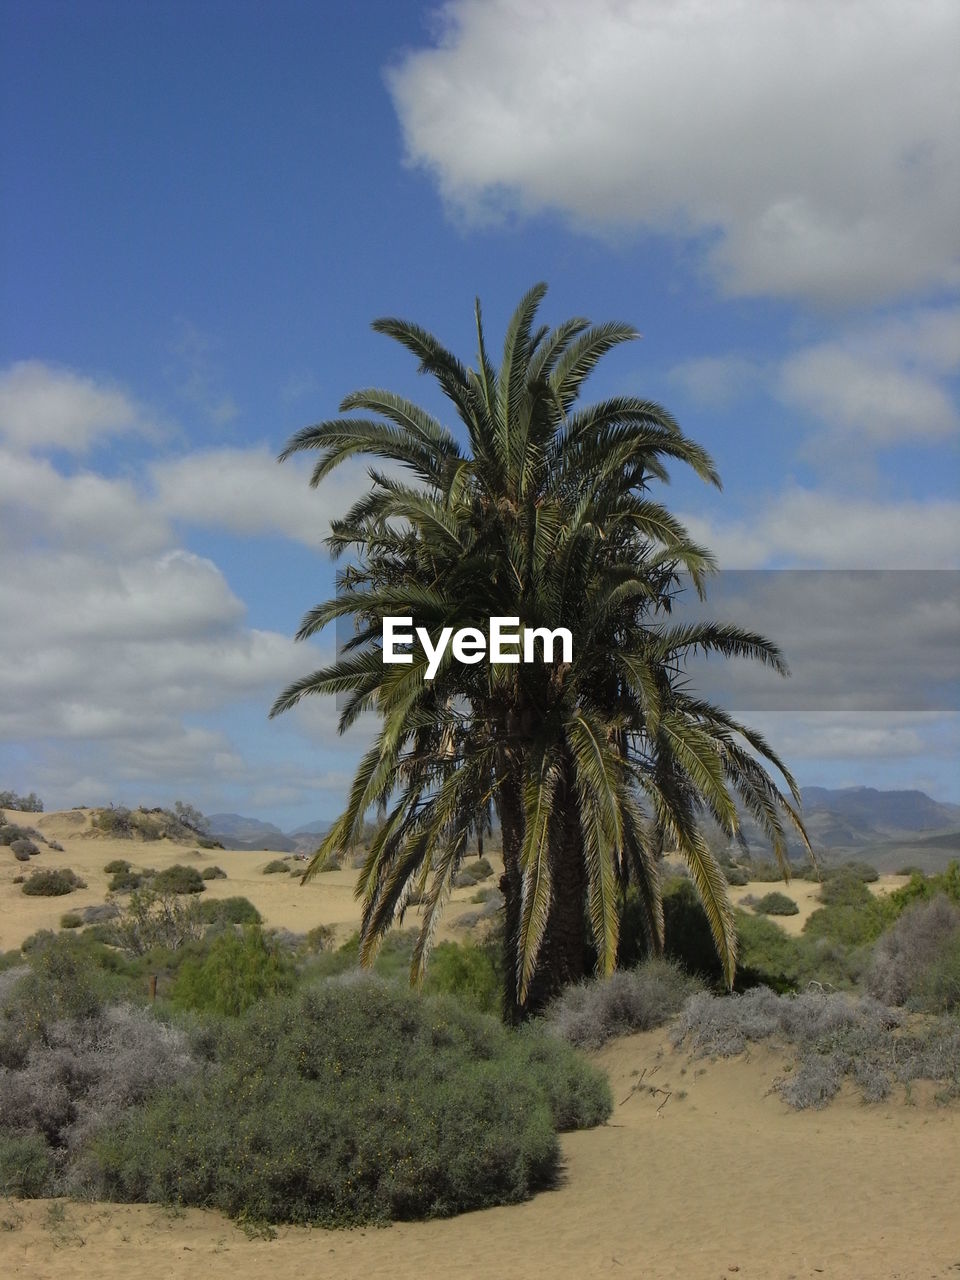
[881, 384]
[809, 147]
[854, 639]
[715, 381]
[811, 528]
[42, 407]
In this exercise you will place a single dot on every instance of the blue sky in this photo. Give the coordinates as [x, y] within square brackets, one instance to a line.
[204, 207]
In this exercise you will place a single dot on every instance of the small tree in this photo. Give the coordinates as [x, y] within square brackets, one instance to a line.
[26, 804]
[191, 817]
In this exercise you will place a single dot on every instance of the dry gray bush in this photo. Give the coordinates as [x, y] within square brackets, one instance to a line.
[591, 1013]
[836, 1037]
[86, 1070]
[904, 954]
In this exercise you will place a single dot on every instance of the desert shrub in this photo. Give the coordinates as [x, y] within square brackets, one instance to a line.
[10, 832]
[178, 879]
[468, 972]
[52, 884]
[319, 938]
[81, 1074]
[835, 1037]
[844, 888]
[921, 887]
[100, 913]
[213, 873]
[736, 875]
[117, 866]
[276, 867]
[776, 904]
[206, 842]
[851, 914]
[24, 846]
[333, 862]
[113, 821]
[234, 974]
[865, 872]
[127, 881]
[71, 920]
[589, 1014]
[236, 910]
[26, 1165]
[687, 932]
[354, 1102]
[484, 894]
[152, 919]
[912, 960]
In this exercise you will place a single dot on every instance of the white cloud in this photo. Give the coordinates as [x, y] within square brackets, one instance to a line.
[44, 407]
[862, 736]
[882, 384]
[246, 491]
[805, 528]
[809, 146]
[40, 503]
[715, 381]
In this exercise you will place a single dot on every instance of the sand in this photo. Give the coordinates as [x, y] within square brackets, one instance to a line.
[712, 1177]
[282, 901]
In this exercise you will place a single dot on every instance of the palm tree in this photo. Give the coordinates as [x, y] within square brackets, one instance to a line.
[593, 766]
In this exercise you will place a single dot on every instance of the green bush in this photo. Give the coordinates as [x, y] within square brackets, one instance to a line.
[229, 911]
[71, 920]
[117, 866]
[276, 867]
[178, 879]
[213, 873]
[52, 884]
[921, 887]
[736, 875]
[356, 1102]
[467, 971]
[26, 1165]
[125, 881]
[776, 904]
[234, 974]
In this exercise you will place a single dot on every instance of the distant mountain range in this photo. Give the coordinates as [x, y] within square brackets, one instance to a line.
[888, 828]
[239, 832]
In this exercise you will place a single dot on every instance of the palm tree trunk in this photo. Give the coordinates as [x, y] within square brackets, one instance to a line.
[561, 959]
[511, 822]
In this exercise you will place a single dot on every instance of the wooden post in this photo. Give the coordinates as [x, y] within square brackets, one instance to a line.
[153, 987]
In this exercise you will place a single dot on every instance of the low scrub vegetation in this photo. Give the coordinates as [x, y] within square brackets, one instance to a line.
[776, 904]
[354, 1100]
[836, 1038]
[917, 962]
[276, 867]
[590, 1014]
[52, 884]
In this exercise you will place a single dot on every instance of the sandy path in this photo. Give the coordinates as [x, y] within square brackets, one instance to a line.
[724, 1182]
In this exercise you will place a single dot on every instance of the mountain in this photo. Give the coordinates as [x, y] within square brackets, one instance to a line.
[870, 812]
[238, 832]
[318, 827]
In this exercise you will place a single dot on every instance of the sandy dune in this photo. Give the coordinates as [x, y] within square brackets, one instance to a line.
[281, 900]
[725, 1181]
